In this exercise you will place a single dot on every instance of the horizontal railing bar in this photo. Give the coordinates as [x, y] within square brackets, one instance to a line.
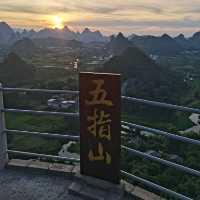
[163, 133]
[76, 138]
[162, 105]
[48, 135]
[154, 186]
[35, 112]
[137, 100]
[162, 161]
[36, 155]
[39, 90]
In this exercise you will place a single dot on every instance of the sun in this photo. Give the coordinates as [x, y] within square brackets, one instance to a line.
[58, 22]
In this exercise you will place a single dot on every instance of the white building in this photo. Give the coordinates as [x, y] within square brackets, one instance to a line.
[67, 104]
[56, 103]
[53, 103]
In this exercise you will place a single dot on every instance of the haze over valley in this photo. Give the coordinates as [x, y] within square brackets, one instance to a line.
[161, 68]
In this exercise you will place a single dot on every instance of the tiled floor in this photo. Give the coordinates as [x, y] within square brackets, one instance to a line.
[25, 185]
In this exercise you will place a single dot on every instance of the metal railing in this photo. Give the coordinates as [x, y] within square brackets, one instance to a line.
[4, 152]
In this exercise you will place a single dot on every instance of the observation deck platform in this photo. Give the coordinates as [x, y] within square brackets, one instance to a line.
[37, 180]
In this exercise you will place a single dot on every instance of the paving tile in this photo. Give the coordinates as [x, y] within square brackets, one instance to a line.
[18, 163]
[61, 168]
[39, 164]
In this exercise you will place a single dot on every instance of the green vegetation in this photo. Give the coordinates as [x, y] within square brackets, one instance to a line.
[14, 71]
[146, 79]
[164, 45]
[45, 124]
[165, 176]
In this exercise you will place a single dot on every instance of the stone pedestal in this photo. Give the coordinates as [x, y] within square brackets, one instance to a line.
[95, 189]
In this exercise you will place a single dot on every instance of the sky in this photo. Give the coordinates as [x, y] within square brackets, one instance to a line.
[109, 16]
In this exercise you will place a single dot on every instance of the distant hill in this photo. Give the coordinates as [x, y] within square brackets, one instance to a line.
[25, 48]
[26, 34]
[7, 35]
[14, 71]
[163, 46]
[64, 33]
[88, 36]
[191, 43]
[56, 42]
[183, 42]
[132, 36]
[118, 44]
[195, 41]
[143, 78]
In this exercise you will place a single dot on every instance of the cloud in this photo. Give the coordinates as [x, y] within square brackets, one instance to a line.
[153, 9]
[20, 9]
[129, 23]
[36, 8]
[114, 9]
[29, 9]
[105, 14]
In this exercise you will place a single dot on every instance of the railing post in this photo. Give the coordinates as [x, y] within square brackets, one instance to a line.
[3, 138]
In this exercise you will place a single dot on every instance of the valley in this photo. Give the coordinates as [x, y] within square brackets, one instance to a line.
[163, 68]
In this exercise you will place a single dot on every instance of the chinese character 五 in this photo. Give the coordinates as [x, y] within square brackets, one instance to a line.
[99, 95]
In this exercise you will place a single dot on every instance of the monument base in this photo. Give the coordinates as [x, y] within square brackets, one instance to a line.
[95, 189]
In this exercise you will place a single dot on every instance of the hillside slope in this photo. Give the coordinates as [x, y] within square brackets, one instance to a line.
[142, 77]
[14, 71]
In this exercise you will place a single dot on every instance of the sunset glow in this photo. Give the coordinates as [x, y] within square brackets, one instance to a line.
[58, 22]
[138, 16]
